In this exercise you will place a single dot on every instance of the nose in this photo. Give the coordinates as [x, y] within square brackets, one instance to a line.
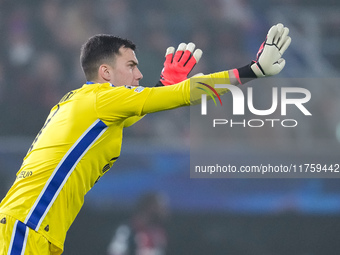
[138, 74]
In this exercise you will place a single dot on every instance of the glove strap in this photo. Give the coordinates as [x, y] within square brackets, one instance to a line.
[245, 73]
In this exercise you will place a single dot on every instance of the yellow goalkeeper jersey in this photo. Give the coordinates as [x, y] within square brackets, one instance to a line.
[78, 143]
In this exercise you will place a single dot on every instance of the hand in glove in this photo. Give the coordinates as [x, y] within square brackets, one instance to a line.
[269, 59]
[178, 66]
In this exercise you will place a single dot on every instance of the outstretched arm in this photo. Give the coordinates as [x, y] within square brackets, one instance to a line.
[268, 62]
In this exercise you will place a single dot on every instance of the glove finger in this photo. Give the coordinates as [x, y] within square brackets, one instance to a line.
[169, 54]
[198, 54]
[271, 34]
[285, 45]
[187, 53]
[193, 60]
[169, 50]
[283, 37]
[278, 33]
[190, 47]
[179, 52]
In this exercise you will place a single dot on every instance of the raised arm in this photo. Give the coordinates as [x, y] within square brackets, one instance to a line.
[268, 62]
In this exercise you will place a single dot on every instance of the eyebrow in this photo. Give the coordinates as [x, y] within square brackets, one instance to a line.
[133, 62]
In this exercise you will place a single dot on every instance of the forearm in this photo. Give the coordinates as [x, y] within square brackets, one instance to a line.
[205, 84]
[268, 62]
[167, 97]
[184, 93]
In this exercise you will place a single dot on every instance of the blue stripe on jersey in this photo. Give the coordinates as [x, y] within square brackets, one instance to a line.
[61, 174]
[19, 239]
[90, 82]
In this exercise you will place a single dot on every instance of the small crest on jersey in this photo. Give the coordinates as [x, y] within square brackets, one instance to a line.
[3, 221]
[47, 228]
[139, 89]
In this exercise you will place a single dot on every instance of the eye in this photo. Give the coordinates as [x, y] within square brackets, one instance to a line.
[132, 64]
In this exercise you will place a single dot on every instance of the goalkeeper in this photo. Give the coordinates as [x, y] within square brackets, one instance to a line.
[82, 136]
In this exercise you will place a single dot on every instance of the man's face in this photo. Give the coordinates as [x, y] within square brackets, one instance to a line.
[125, 69]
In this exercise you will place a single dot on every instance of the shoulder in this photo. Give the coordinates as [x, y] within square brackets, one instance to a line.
[127, 89]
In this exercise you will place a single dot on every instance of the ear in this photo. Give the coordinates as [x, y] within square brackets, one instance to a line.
[104, 72]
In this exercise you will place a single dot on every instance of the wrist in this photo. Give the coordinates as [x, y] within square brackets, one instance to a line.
[159, 84]
[245, 73]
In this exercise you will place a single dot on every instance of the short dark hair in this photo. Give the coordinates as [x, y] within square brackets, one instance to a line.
[98, 49]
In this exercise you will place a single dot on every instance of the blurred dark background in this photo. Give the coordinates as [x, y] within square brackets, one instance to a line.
[39, 63]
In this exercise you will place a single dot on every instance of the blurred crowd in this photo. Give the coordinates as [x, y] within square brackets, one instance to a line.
[41, 40]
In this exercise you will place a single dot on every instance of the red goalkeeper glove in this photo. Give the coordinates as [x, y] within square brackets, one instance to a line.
[178, 66]
[269, 59]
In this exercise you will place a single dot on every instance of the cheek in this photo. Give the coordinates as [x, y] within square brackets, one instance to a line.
[127, 75]
[126, 72]
[122, 77]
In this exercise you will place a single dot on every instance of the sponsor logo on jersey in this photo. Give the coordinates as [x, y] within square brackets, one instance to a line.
[139, 89]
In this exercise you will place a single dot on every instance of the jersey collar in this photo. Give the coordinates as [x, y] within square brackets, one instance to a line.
[91, 82]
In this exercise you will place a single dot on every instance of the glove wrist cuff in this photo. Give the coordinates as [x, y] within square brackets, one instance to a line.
[159, 84]
[245, 73]
[257, 69]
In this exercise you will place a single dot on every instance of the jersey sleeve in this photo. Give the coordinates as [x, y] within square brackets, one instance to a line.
[183, 93]
[132, 120]
[120, 103]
